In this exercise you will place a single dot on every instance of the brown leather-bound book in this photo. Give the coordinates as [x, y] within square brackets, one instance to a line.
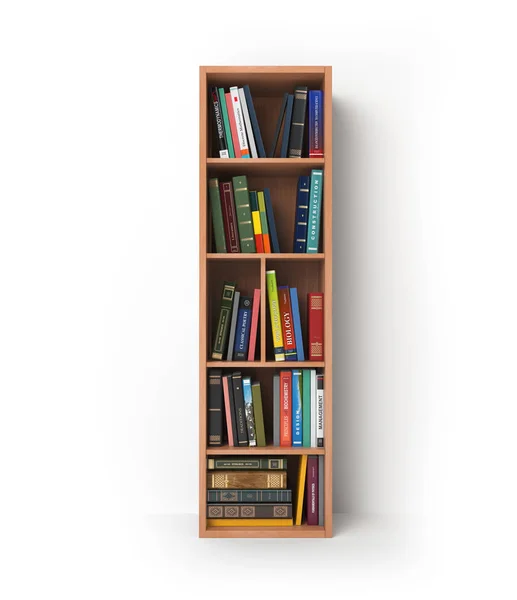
[246, 480]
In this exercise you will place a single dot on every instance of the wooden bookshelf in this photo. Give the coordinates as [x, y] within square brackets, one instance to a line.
[307, 272]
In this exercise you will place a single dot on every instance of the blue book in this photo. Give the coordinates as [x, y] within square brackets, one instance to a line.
[295, 310]
[315, 124]
[271, 221]
[248, 410]
[315, 201]
[278, 126]
[287, 126]
[297, 432]
[254, 122]
[242, 331]
[301, 215]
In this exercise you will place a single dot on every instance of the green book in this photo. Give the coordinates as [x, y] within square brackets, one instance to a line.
[223, 325]
[259, 415]
[247, 463]
[226, 122]
[306, 408]
[263, 221]
[217, 214]
[242, 208]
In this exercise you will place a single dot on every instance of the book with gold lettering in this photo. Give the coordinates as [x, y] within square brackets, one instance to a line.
[243, 211]
[223, 324]
[245, 480]
[249, 522]
[249, 511]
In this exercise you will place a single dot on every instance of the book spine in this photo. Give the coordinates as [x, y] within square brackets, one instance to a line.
[221, 139]
[315, 202]
[279, 122]
[239, 122]
[215, 408]
[230, 419]
[271, 221]
[246, 480]
[254, 324]
[315, 308]
[249, 496]
[242, 331]
[247, 122]
[240, 412]
[257, 225]
[298, 122]
[233, 410]
[276, 410]
[321, 492]
[312, 490]
[263, 222]
[285, 411]
[223, 324]
[229, 217]
[254, 122]
[248, 409]
[297, 417]
[217, 215]
[287, 126]
[259, 414]
[249, 511]
[242, 207]
[315, 124]
[249, 522]
[306, 407]
[320, 411]
[302, 473]
[226, 122]
[246, 464]
[287, 323]
[314, 391]
[274, 313]
[233, 325]
[297, 324]
[301, 215]
[233, 125]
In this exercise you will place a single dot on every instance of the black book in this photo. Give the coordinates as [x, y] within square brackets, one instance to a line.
[278, 126]
[298, 122]
[232, 409]
[238, 397]
[219, 123]
[215, 408]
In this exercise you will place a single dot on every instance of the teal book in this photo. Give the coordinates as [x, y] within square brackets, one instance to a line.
[243, 210]
[217, 215]
[315, 202]
[297, 408]
[306, 407]
[226, 122]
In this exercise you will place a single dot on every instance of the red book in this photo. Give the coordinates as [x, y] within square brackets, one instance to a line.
[231, 233]
[286, 314]
[259, 243]
[228, 411]
[312, 492]
[286, 386]
[233, 125]
[315, 310]
[254, 324]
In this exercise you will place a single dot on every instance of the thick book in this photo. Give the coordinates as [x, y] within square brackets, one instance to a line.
[298, 122]
[286, 387]
[301, 215]
[297, 324]
[271, 221]
[302, 472]
[218, 116]
[233, 325]
[257, 224]
[249, 522]
[229, 411]
[247, 122]
[215, 408]
[287, 126]
[233, 126]
[297, 416]
[228, 386]
[306, 408]
[278, 127]
[247, 463]
[239, 122]
[320, 410]
[248, 409]
[315, 202]
[321, 491]
[246, 480]
[275, 316]
[226, 122]
[243, 328]
[223, 324]
[249, 495]
[217, 215]
[316, 324]
[314, 408]
[229, 217]
[254, 324]
[263, 222]
[254, 122]
[312, 491]
[243, 210]
[259, 414]
[240, 412]
[276, 410]
[315, 124]
[284, 298]
[249, 511]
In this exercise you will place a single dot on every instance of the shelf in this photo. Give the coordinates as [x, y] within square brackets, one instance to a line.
[252, 364]
[273, 166]
[296, 531]
[289, 256]
[269, 450]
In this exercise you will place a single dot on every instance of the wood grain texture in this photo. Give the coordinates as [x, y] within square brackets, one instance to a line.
[296, 531]
[264, 450]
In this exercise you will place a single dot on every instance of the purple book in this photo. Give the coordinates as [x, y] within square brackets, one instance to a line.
[312, 490]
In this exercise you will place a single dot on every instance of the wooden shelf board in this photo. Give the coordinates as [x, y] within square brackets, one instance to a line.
[281, 450]
[296, 531]
[289, 256]
[266, 166]
[252, 364]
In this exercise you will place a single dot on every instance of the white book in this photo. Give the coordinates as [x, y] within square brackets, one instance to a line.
[314, 441]
[239, 122]
[320, 416]
[247, 120]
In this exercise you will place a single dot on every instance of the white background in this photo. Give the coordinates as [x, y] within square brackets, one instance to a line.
[99, 276]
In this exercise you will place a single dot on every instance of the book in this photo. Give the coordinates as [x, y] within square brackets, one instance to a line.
[321, 490]
[259, 414]
[287, 126]
[221, 139]
[301, 215]
[314, 409]
[271, 221]
[315, 124]
[257, 224]
[226, 123]
[233, 325]
[223, 324]
[306, 408]
[246, 463]
[274, 313]
[284, 298]
[248, 409]
[247, 122]
[297, 324]
[242, 330]
[239, 122]
[276, 410]
[297, 415]
[229, 410]
[245, 480]
[215, 408]
[254, 122]
[320, 411]
[302, 472]
[242, 208]
[315, 318]
[279, 122]
[249, 522]
[286, 386]
[240, 412]
[229, 217]
[298, 122]
[312, 491]
[233, 410]
[315, 202]
[217, 215]
[233, 126]
[263, 222]
[249, 495]
[249, 511]
[254, 324]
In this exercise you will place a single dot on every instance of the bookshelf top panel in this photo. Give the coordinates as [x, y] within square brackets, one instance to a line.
[263, 450]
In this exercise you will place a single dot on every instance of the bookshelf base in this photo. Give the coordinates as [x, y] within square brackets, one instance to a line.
[296, 531]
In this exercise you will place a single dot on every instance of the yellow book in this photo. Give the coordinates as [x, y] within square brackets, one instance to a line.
[302, 471]
[249, 522]
[274, 313]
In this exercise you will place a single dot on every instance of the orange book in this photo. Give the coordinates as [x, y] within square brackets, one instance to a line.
[286, 384]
